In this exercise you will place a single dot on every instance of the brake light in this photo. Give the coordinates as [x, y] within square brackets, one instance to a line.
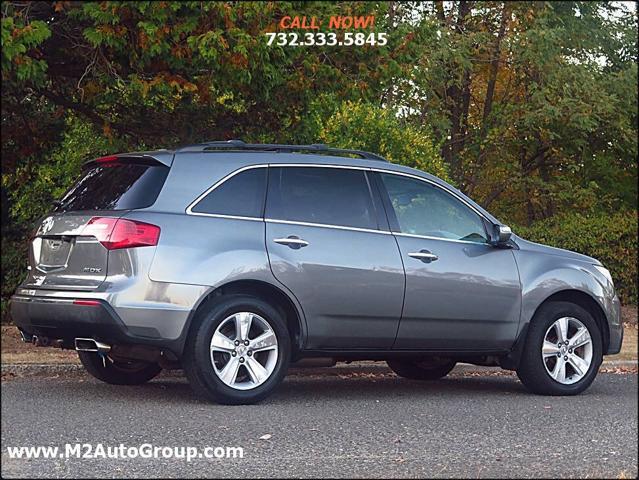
[115, 233]
[87, 303]
[107, 159]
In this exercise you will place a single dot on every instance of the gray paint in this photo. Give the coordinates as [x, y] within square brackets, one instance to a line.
[352, 289]
[468, 299]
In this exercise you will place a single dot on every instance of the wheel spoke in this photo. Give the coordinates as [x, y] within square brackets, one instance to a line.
[580, 338]
[266, 341]
[550, 349]
[243, 325]
[229, 372]
[561, 326]
[559, 372]
[579, 364]
[256, 371]
[221, 342]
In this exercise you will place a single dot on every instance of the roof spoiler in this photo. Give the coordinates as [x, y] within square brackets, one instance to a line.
[165, 157]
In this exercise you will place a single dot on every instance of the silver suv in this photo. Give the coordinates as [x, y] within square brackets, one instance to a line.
[232, 260]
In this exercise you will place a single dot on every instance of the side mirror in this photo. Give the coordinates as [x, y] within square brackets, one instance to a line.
[501, 234]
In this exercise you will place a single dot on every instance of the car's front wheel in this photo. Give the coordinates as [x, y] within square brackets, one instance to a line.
[238, 352]
[422, 369]
[563, 350]
[114, 372]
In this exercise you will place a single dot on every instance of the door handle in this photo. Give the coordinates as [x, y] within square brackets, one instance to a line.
[291, 241]
[424, 256]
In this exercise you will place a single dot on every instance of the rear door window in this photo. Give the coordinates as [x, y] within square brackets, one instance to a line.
[115, 186]
[242, 195]
[328, 196]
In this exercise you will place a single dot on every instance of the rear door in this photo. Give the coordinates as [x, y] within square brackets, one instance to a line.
[65, 252]
[327, 246]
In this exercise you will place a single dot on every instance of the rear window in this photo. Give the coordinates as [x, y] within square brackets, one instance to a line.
[241, 195]
[115, 186]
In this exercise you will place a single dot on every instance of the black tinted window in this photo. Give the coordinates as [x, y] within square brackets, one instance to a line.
[115, 186]
[241, 195]
[423, 209]
[329, 196]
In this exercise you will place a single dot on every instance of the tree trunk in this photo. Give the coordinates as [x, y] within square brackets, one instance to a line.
[494, 68]
[458, 99]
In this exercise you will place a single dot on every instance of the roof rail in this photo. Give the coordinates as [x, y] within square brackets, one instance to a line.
[239, 145]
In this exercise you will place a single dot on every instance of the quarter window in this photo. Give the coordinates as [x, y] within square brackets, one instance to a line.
[423, 209]
[331, 196]
[242, 195]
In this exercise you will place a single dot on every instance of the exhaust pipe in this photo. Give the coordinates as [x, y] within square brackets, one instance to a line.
[41, 341]
[91, 345]
[26, 338]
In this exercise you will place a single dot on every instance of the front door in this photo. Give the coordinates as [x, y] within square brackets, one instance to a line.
[325, 245]
[462, 293]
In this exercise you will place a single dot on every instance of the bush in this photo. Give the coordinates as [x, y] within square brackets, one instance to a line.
[14, 269]
[368, 127]
[610, 238]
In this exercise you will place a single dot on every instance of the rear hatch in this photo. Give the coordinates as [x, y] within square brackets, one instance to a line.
[70, 249]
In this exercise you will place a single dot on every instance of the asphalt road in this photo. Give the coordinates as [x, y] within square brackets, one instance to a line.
[352, 425]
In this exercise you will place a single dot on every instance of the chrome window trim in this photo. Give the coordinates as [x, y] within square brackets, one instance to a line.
[325, 225]
[429, 237]
[229, 217]
[189, 209]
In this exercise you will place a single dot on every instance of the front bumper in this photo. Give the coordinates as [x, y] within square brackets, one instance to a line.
[615, 327]
[62, 319]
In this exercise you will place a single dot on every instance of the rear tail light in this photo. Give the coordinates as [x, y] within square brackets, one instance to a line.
[115, 233]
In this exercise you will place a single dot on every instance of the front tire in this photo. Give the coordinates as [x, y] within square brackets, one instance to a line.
[118, 373]
[425, 369]
[563, 350]
[238, 352]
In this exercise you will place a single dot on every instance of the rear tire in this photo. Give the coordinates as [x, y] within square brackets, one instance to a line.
[542, 355]
[216, 342]
[426, 369]
[118, 373]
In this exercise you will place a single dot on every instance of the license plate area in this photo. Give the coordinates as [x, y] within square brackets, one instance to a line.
[54, 253]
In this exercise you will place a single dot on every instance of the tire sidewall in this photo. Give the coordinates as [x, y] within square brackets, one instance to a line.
[200, 355]
[542, 321]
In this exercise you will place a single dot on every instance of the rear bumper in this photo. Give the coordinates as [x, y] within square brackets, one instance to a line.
[61, 319]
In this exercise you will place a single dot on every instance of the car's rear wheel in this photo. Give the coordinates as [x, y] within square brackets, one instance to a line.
[563, 350]
[422, 369]
[238, 352]
[107, 370]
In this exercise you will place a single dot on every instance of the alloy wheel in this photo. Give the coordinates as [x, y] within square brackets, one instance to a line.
[244, 350]
[567, 350]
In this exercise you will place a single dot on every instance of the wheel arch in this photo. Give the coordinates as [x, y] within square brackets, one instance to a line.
[578, 297]
[267, 292]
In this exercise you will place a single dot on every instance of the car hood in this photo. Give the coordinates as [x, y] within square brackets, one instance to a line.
[539, 248]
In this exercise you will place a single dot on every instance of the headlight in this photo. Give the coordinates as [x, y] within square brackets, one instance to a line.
[604, 271]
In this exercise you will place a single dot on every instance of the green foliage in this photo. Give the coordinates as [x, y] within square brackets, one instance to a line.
[611, 239]
[14, 268]
[50, 180]
[367, 127]
[19, 39]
